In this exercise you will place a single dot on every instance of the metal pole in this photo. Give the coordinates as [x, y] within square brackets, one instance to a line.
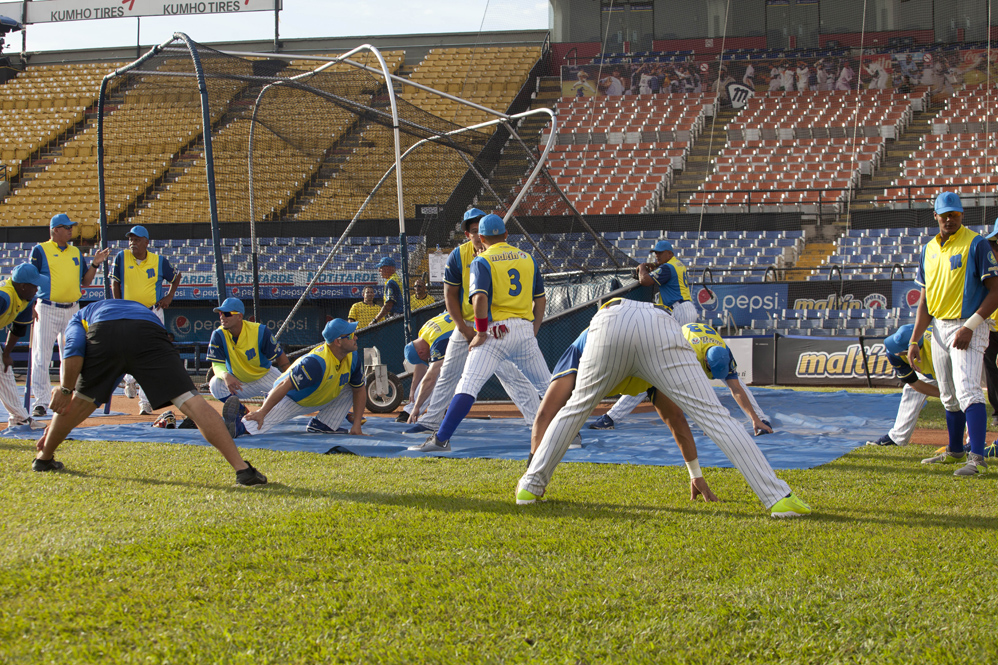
[277, 43]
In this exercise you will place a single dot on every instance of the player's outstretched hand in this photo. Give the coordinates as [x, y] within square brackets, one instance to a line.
[699, 487]
[761, 428]
[478, 339]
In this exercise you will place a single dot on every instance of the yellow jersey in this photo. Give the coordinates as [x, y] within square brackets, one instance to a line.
[953, 273]
[510, 278]
[65, 267]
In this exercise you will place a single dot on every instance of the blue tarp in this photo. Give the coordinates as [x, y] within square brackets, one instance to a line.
[811, 429]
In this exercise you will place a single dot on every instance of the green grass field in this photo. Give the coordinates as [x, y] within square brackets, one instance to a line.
[147, 553]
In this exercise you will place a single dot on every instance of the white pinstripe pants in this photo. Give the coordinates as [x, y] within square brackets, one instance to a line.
[47, 330]
[332, 413]
[525, 395]
[257, 388]
[684, 312]
[10, 399]
[958, 371]
[911, 405]
[637, 339]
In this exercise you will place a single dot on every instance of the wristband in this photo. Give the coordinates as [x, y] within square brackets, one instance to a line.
[694, 469]
[974, 321]
[481, 325]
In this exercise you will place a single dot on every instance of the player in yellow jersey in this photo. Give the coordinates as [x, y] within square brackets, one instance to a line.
[318, 381]
[991, 352]
[244, 355]
[17, 295]
[68, 273]
[507, 293]
[958, 274]
[393, 289]
[718, 363]
[426, 354]
[138, 275]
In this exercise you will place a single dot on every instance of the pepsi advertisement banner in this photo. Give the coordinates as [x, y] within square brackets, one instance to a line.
[192, 324]
[906, 296]
[744, 301]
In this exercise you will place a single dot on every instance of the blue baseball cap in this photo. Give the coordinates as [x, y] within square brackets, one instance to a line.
[994, 232]
[491, 225]
[231, 305]
[62, 219]
[386, 261]
[948, 202]
[337, 328]
[662, 246]
[26, 273]
[898, 343]
[139, 231]
[412, 356]
[470, 217]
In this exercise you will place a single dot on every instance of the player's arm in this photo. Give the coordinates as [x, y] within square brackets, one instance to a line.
[276, 394]
[358, 382]
[425, 389]
[480, 287]
[645, 276]
[556, 396]
[922, 321]
[540, 300]
[675, 420]
[452, 301]
[72, 364]
[100, 257]
[392, 295]
[480, 302]
[174, 283]
[925, 388]
[738, 392]
[282, 362]
[117, 268]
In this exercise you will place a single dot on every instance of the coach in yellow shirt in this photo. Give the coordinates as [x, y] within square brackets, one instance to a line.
[958, 274]
[364, 312]
[421, 298]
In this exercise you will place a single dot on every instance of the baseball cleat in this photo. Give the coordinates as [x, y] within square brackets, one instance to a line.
[250, 476]
[885, 440]
[403, 417]
[18, 423]
[526, 497]
[603, 422]
[432, 445]
[145, 409]
[576, 443]
[230, 414]
[975, 466]
[38, 411]
[945, 458]
[316, 426]
[790, 506]
[47, 465]
[130, 391]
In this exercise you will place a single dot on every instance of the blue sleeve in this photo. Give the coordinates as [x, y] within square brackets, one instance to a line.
[357, 369]
[439, 347]
[76, 337]
[481, 278]
[984, 258]
[25, 317]
[4, 302]
[216, 348]
[453, 270]
[721, 363]
[269, 348]
[38, 258]
[118, 267]
[569, 361]
[392, 291]
[538, 281]
[920, 271]
[166, 271]
[307, 373]
[662, 275]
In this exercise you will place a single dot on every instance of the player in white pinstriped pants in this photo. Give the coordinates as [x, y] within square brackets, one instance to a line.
[628, 338]
[684, 312]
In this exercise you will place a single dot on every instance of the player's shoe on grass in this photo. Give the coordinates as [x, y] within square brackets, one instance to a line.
[130, 390]
[18, 423]
[250, 476]
[187, 423]
[576, 443]
[316, 426]
[603, 422]
[941, 449]
[419, 429]
[975, 466]
[945, 457]
[38, 411]
[885, 440]
[230, 414]
[432, 445]
[790, 506]
[526, 497]
[47, 465]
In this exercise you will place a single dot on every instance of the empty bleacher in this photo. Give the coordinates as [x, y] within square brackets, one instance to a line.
[868, 322]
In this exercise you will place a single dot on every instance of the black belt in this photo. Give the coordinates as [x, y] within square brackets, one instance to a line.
[60, 305]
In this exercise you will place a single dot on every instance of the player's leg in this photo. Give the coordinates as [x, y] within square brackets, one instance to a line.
[967, 367]
[609, 356]
[943, 366]
[285, 410]
[450, 374]
[331, 415]
[672, 367]
[555, 398]
[481, 365]
[212, 428]
[521, 391]
[16, 413]
[911, 405]
[145, 408]
[991, 373]
[79, 409]
[685, 312]
[523, 351]
[43, 335]
[258, 388]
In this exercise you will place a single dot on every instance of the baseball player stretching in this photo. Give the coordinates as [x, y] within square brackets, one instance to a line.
[562, 386]
[16, 299]
[958, 274]
[628, 338]
[717, 362]
[426, 354]
[669, 275]
[457, 277]
[918, 384]
[315, 382]
[68, 273]
[243, 355]
[507, 293]
[138, 275]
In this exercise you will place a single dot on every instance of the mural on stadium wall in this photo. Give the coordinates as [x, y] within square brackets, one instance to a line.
[943, 72]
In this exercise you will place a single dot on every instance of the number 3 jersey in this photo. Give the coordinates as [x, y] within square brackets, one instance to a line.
[511, 280]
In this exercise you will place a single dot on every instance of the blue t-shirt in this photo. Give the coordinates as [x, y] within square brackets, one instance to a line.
[94, 313]
[569, 361]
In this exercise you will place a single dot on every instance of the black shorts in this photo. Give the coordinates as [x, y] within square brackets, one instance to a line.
[139, 348]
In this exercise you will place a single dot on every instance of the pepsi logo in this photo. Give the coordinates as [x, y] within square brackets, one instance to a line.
[182, 325]
[707, 299]
[315, 290]
[912, 297]
[235, 291]
[197, 292]
[273, 291]
[354, 291]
